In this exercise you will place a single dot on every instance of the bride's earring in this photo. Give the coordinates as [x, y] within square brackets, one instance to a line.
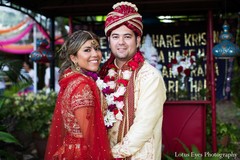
[77, 66]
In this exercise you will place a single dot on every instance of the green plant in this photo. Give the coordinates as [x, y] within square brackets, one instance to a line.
[227, 135]
[8, 138]
[33, 111]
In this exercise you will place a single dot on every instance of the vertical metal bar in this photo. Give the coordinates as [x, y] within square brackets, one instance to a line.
[35, 79]
[211, 73]
[52, 47]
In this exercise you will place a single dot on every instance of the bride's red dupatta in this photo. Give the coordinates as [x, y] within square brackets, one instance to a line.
[96, 139]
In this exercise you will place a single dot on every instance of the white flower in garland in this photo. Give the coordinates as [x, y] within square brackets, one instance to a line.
[110, 99]
[111, 84]
[101, 85]
[119, 104]
[120, 91]
[109, 119]
[127, 74]
[111, 73]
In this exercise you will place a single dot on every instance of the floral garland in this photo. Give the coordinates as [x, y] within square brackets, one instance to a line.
[182, 66]
[114, 90]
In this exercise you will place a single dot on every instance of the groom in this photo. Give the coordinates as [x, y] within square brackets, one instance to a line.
[136, 92]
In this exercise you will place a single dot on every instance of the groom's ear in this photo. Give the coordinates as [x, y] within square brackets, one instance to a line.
[138, 41]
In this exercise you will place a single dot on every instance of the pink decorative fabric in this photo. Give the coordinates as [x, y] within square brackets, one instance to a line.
[18, 37]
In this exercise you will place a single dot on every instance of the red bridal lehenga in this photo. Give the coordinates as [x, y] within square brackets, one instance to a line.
[66, 140]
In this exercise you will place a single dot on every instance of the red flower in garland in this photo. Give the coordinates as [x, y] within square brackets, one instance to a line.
[123, 81]
[108, 78]
[183, 65]
[180, 69]
[185, 53]
[187, 72]
[120, 98]
[138, 58]
[115, 111]
[133, 65]
[174, 61]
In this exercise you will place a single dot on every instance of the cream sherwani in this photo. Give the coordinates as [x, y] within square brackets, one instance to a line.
[143, 141]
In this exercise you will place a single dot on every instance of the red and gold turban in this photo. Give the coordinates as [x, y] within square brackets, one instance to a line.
[124, 13]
